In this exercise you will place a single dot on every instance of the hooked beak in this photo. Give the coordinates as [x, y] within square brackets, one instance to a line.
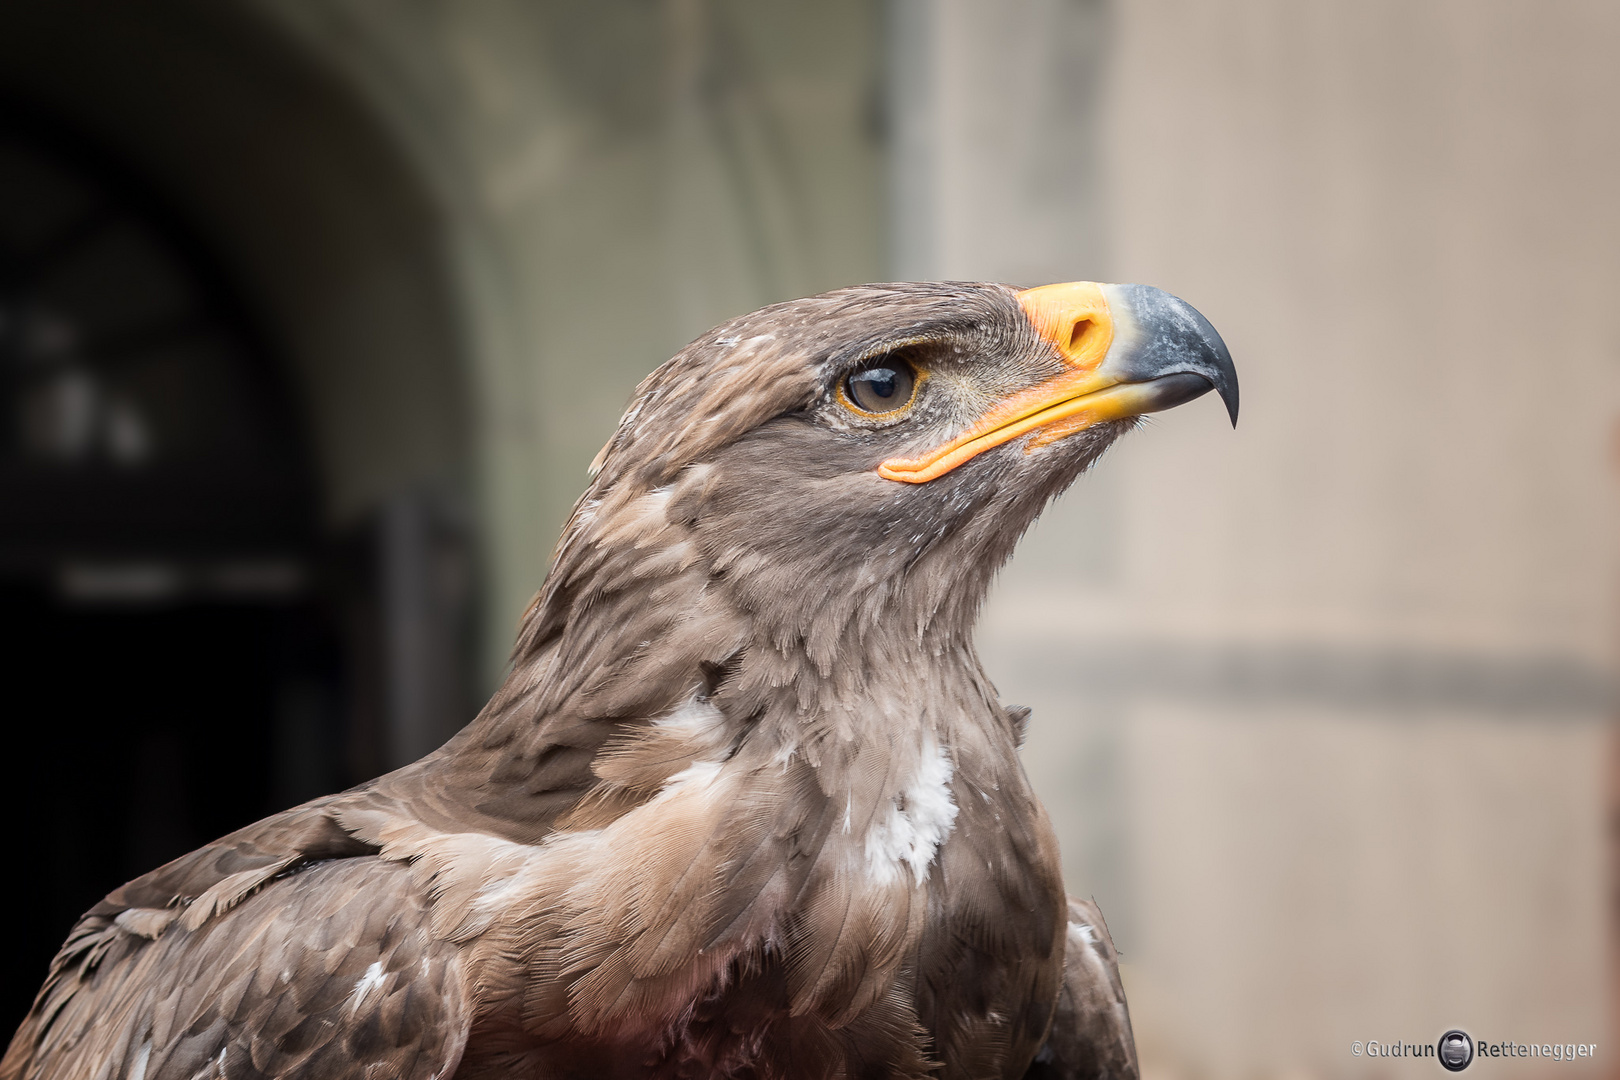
[1130, 350]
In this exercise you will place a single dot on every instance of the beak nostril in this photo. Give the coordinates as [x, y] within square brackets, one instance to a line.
[1074, 318]
[1076, 333]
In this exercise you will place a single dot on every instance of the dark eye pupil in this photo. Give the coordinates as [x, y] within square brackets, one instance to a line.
[880, 381]
[881, 388]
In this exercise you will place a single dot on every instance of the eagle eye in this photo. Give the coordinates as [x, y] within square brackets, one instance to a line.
[881, 387]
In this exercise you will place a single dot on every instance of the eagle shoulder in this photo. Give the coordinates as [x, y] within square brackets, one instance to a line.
[332, 972]
[130, 959]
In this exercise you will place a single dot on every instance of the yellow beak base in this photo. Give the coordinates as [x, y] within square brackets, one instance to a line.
[1075, 318]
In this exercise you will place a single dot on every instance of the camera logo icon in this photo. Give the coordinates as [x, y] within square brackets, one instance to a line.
[1456, 1050]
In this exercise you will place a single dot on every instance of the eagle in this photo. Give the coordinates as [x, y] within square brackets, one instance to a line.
[747, 804]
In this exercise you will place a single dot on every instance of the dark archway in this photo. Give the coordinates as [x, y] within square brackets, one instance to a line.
[175, 667]
[234, 572]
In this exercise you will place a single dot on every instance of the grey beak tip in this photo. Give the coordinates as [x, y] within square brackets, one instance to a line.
[1228, 386]
[1183, 340]
[1221, 371]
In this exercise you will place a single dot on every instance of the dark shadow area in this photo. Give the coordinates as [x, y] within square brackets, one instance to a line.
[235, 570]
[174, 644]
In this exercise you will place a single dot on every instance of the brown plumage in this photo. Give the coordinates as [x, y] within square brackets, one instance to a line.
[747, 805]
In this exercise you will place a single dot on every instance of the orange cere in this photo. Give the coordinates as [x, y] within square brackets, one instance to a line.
[1074, 317]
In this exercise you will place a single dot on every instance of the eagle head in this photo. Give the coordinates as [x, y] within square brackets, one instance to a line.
[869, 457]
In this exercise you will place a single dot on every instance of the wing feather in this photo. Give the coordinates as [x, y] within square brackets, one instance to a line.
[1091, 1030]
[332, 972]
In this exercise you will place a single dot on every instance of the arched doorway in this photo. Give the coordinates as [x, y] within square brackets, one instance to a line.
[176, 668]
[234, 572]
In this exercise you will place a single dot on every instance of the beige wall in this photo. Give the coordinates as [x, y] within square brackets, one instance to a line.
[1321, 705]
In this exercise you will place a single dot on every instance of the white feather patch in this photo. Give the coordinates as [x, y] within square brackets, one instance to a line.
[368, 982]
[694, 717]
[137, 1071]
[699, 775]
[921, 817]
